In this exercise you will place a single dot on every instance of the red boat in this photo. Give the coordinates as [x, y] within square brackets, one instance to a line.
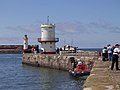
[80, 70]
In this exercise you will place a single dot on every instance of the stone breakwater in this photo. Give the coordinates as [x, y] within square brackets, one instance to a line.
[11, 49]
[102, 78]
[57, 61]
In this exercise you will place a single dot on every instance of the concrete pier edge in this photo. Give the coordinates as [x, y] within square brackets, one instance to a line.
[102, 78]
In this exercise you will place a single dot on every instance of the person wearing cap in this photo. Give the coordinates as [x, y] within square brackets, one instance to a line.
[115, 57]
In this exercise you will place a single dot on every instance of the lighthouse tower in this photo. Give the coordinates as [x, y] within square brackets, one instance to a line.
[25, 43]
[48, 39]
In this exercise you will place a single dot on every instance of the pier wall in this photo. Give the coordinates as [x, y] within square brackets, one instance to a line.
[57, 61]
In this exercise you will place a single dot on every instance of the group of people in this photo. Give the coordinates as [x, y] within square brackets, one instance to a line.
[111, 53]
[107, 52]
[77, 65]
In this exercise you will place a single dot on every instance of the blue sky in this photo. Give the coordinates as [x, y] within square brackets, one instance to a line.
[83, 23]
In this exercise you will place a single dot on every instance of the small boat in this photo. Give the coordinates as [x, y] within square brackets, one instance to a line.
[80, 70]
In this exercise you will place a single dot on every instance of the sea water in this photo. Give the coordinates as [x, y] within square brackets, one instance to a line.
[16, 76]
[91, 49]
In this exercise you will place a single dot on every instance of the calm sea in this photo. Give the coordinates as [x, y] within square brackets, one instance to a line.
[16, 76]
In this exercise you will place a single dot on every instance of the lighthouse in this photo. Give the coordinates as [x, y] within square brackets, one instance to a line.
[25, 43]
[48, 40]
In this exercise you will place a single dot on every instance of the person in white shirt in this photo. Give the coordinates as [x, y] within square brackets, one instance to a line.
[104, 54]
[110, 52]
[115, 57]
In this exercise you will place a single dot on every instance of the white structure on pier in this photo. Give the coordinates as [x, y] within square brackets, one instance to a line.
[48, 39]
[25, 43]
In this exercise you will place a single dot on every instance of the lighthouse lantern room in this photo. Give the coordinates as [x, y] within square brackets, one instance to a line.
[48, 39]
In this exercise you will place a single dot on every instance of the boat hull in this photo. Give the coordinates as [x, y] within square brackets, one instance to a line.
[77, 74]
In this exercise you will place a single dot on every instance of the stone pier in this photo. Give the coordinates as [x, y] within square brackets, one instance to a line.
[57, 61]
[102, 77]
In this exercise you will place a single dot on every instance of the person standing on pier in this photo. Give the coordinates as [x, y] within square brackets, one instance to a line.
[115, 57]
[110, 52]
[104, 54]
